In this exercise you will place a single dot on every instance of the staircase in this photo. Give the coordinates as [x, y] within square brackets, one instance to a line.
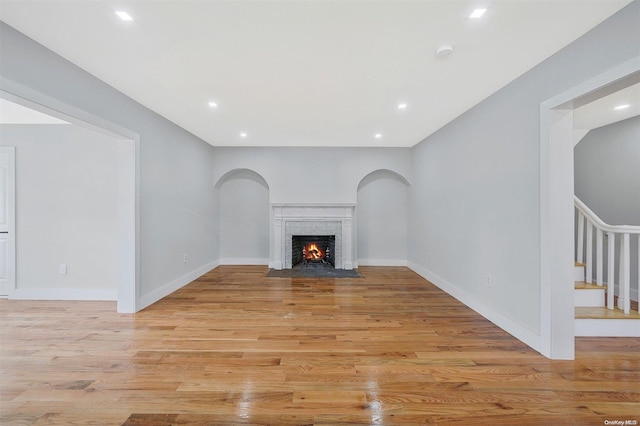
[603, 303]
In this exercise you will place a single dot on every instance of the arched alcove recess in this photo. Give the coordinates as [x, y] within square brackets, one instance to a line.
[243, 200]
[382, 219]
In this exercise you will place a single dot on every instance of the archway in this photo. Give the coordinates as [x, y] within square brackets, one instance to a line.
[243, 199]
[382, 219]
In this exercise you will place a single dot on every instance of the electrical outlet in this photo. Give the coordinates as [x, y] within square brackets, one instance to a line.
[429, 255]
[185, 259]
[489, 281]
[63, 269]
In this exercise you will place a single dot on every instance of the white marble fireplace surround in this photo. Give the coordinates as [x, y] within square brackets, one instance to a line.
[312, 219]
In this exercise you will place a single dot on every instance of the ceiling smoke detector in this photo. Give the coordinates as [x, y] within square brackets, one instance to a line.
[444, 51]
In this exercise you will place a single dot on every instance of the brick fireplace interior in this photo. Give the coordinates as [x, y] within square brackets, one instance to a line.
[313, 249]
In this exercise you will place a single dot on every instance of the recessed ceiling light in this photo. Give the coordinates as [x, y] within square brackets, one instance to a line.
[213, 104]
[243, 135]
[619, 107]
[124, 15]
[377, 135]
[477, 13]
[402, 106]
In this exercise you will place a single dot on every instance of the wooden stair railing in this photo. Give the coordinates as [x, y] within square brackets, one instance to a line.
[626, 235]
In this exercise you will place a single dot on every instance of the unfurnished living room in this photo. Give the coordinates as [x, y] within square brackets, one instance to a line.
[318, 212]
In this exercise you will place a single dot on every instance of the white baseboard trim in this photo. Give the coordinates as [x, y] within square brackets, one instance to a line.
[167, 289]
[110, 294]
[243, 261]
[592, 327]
[518, 331]
[275, 265]
[381, 262]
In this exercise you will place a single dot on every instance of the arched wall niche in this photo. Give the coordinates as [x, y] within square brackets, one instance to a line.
[382, 210]
[242, 174]
[382, 174]
[243, 200]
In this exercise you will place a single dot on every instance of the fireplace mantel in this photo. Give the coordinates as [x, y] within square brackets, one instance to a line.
[312, 219]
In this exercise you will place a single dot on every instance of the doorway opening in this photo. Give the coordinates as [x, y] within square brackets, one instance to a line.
[127, 183]
[556, 205]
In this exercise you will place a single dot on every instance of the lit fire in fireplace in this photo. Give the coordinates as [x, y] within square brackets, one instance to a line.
[313, 252]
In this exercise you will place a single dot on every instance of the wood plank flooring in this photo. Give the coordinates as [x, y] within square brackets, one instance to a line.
[235, 347]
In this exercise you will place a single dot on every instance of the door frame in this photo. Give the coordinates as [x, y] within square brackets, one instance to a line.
[128, 184]
[11, 218]
[557, 318]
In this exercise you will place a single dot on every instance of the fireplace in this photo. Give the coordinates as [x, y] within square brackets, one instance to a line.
[317, 221]
[313, 249]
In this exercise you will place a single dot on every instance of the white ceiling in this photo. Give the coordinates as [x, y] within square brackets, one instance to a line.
[603, 111]
[307, 73]
[12, 113]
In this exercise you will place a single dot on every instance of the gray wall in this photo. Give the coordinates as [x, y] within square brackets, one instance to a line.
[382, 220]
[323, 175]
[607, 177]
[244, 219]
[474, 203]
[177, 202]
[607, 172]
[312, 175]
[65, 206]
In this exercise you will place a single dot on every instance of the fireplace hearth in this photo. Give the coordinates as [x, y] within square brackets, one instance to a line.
[313, 249]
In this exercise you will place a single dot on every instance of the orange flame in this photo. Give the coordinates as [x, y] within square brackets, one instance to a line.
[313, 252]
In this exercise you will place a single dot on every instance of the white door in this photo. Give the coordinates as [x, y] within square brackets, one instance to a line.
[7, 219]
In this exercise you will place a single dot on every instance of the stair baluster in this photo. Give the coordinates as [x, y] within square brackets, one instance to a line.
[611, 286]
[587, 221]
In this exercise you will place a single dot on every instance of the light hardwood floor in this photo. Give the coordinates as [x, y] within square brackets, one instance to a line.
[235, 347]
